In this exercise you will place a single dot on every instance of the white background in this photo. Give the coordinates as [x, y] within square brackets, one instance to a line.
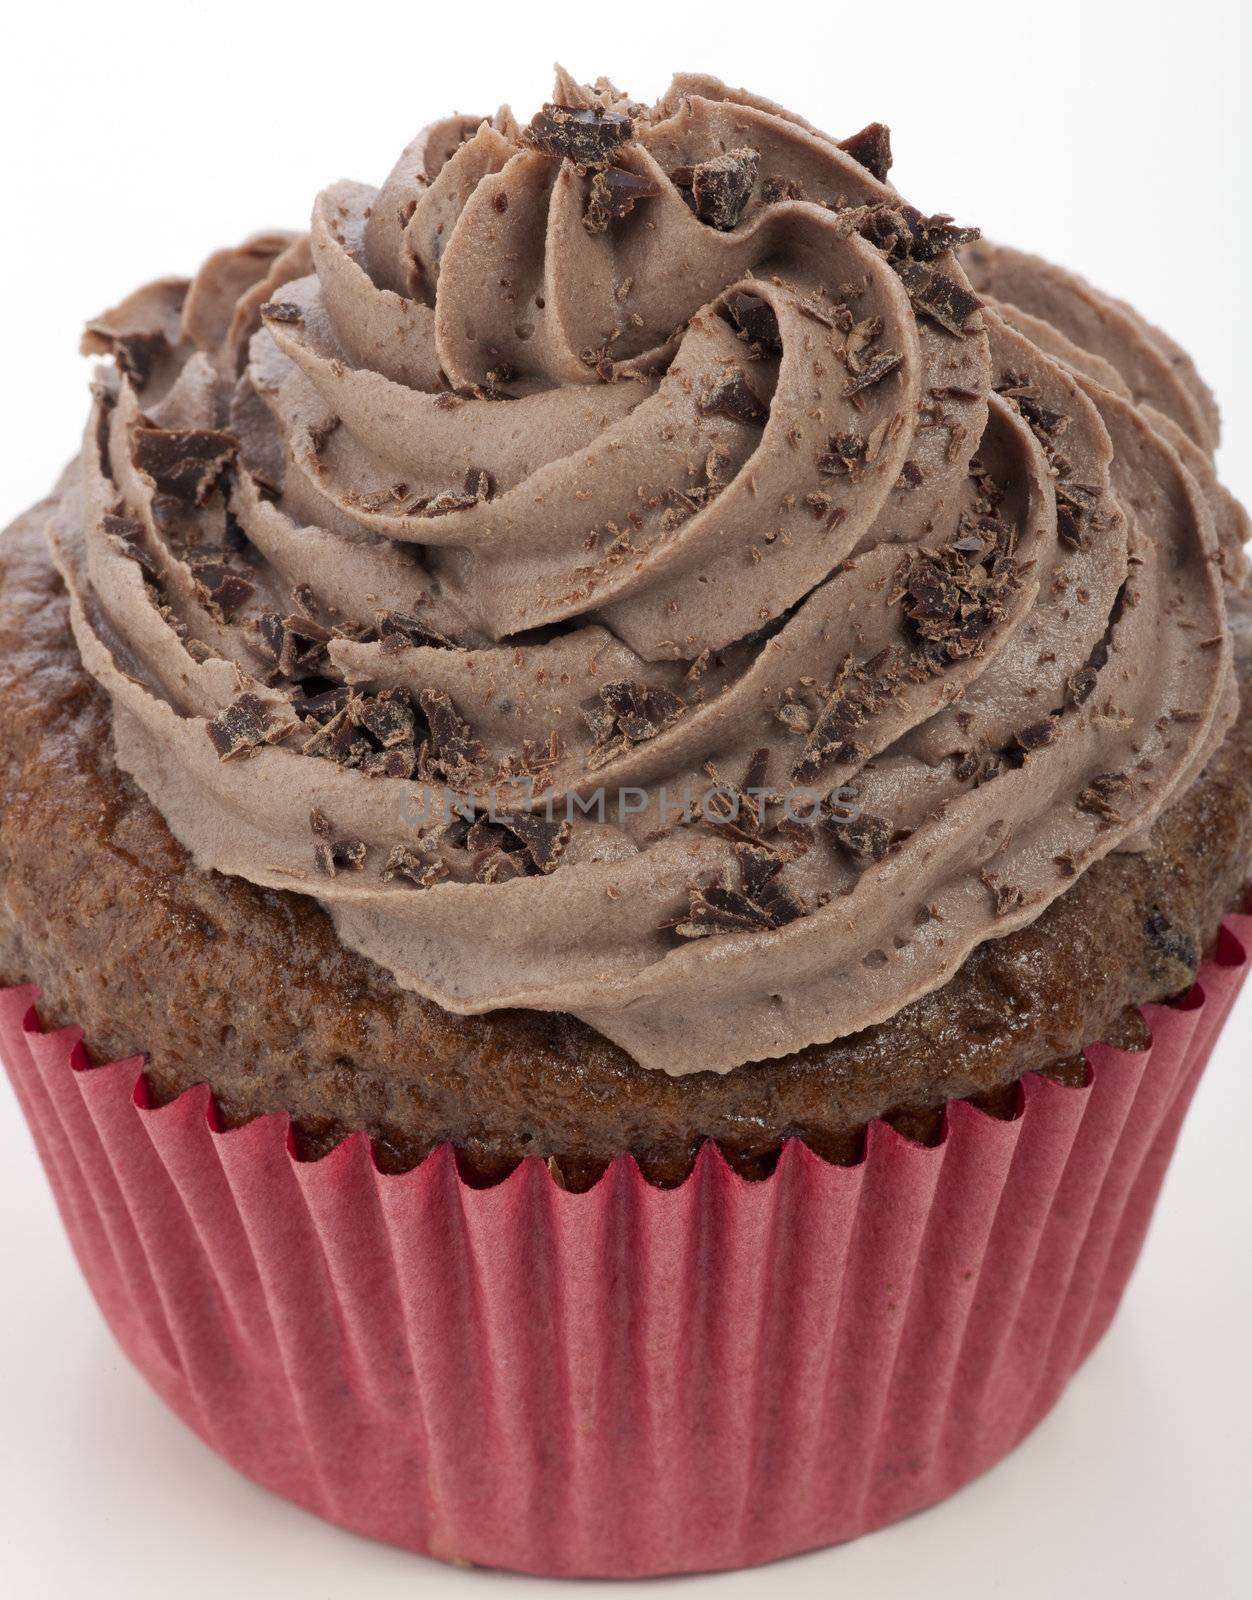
[1115, 138]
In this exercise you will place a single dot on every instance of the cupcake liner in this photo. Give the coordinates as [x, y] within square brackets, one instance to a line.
[629, 1381]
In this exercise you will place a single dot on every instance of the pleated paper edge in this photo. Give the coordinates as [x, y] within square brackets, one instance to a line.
[1232, 952]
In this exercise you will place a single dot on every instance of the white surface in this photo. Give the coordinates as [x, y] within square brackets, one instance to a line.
[1116, 139]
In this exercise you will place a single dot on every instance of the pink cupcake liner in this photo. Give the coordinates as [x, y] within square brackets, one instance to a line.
[629, 1381]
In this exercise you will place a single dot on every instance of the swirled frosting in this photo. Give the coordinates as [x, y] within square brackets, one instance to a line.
[635, 565]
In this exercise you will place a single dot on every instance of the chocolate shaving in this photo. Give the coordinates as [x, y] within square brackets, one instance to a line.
[902, 233]
[863, 836]
[220, 588]
[297, 643]
[1005, 897]
[137, 354]
[127, 538]
[395, 763]
[756, 320]
[321, 708]
[937, 296]
[890, 228]
[629, 713]
[980, 769]
[737, 810]
[407, 864]
[185, 463]
[777, 187]
[880, 367]
[1081, 685]
[613, 194]
[953, 597]
[375, 733]
[858, 341]
[1071, 512]
[732, 396]
[498, 866]
[1038, 735]
[544, 837]
[486, 833]
[334, 855]
[399, 630]
[844, 454]
[795, 717]
[243, 727]
[935, 235]
[479, 486]
[1046, 425]
[763, 901]
[871, 147]
[588, 136]
[479, 483]
[340, 738]
[451, 753]
[388, 715]
[1100, 798]
[860, 690]
[719, 190]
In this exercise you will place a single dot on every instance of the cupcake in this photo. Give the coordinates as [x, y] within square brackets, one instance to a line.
[627, 806]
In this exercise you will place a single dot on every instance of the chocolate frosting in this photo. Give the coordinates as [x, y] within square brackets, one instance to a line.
[810, 591]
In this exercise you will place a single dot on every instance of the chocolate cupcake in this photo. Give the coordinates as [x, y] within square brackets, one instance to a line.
[630, 646]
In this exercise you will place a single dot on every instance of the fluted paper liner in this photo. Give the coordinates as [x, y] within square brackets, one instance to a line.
[631, 1380]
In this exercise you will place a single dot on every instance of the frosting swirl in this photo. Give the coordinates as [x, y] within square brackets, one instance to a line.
[775, 602]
